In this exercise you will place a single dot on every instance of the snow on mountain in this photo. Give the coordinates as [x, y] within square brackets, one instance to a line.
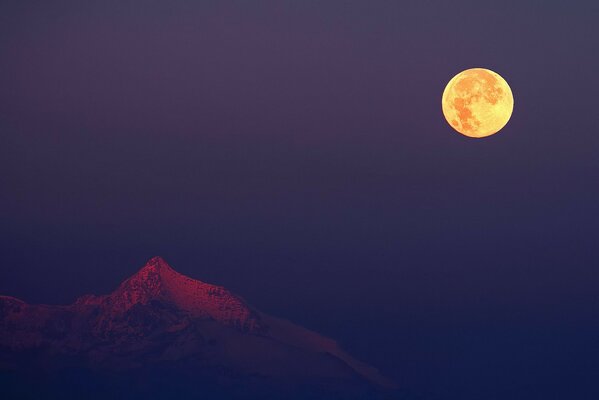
[160, 316]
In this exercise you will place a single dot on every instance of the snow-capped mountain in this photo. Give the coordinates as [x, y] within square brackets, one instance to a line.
[163, 320]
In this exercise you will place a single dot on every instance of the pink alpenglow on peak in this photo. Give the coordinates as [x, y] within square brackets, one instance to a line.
[158, 281]
[159, 317]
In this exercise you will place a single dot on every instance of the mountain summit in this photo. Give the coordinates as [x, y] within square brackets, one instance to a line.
[157, 281]
[159, 320]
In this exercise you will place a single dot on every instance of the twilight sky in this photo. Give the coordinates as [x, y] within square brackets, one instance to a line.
[296, 153]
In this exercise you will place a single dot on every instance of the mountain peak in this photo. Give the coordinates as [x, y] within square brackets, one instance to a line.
[159, 316]
[157, 281]
[158, 263]
[151, 277]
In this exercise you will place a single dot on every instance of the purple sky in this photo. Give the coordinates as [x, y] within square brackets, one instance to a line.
[296, 153]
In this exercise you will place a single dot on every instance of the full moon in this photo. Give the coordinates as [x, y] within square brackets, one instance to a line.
[477, 102]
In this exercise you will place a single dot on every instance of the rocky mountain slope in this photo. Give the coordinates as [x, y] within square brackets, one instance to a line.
[159, 322]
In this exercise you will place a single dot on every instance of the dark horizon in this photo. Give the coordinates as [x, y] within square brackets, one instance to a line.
[297, 155]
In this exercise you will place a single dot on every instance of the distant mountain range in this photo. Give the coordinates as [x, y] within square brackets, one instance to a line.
[161, 334]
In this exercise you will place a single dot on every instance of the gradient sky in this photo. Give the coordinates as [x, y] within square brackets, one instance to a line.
[296, 153]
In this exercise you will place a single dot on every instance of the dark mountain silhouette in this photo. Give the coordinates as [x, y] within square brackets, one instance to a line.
[161, 334]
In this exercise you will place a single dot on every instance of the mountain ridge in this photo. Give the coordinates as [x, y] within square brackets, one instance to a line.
[157, 280]
[159, 316]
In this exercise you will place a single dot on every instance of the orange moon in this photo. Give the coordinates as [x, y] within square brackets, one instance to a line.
[477, 102]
